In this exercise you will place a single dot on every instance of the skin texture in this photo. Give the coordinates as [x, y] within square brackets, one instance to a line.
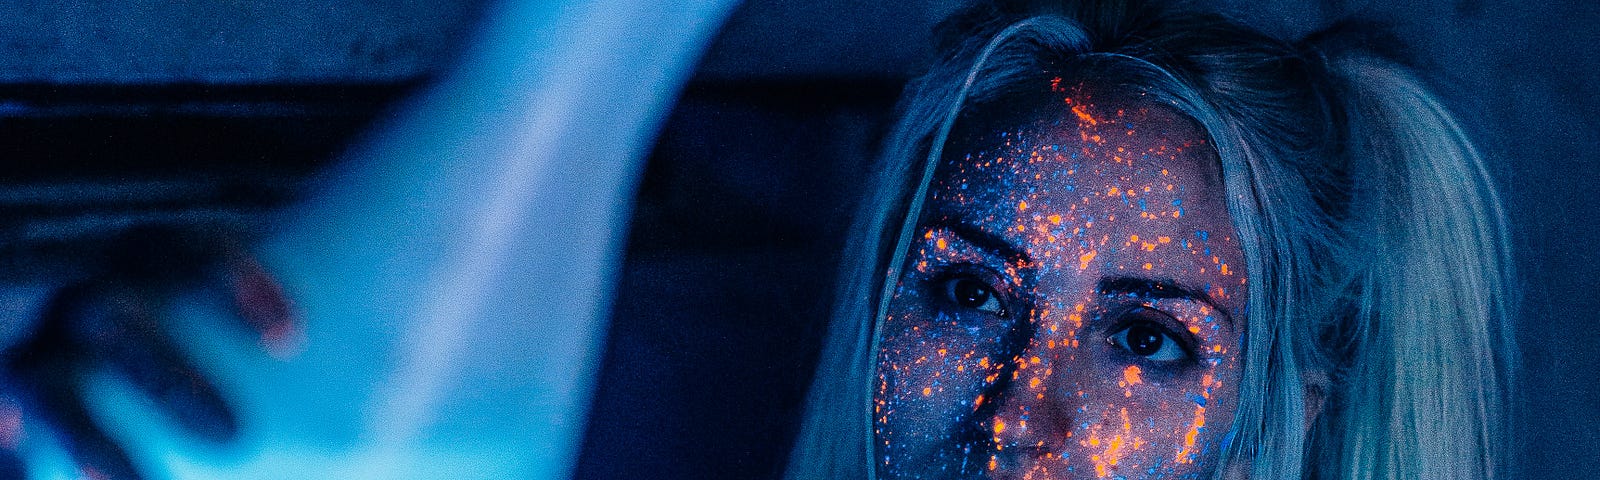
[1073, 302]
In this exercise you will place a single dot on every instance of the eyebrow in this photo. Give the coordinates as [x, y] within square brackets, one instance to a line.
[1145, 287]
[1153, 288]
[985, 240]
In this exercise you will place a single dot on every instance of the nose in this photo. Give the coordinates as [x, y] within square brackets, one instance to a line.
[1033, 422]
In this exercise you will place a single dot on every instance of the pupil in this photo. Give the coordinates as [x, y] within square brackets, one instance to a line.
[971, 293]
[1144, 340]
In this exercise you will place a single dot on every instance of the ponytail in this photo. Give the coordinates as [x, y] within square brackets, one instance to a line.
[1420, 393]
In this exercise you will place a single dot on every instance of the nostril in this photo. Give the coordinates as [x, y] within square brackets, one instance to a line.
[1028, 450]
[1036, 438]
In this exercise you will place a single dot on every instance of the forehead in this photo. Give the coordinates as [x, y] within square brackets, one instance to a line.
[1119, 178]
[1080, 146]
[1077, 128]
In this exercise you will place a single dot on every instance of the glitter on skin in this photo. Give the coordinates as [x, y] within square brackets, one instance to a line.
[1048, 250]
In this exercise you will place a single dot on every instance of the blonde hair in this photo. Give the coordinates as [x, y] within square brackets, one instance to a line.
[1374, 239]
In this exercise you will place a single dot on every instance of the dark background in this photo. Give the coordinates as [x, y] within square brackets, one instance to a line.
[141, 112]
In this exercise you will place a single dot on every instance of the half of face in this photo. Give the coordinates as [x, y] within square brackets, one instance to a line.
[1070, 306]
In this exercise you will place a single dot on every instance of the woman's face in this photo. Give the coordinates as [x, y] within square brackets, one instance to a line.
[1071, 305]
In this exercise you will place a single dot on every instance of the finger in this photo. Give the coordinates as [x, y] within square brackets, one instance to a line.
[53, 388]
[153, 363]
[124, 334]
[157, 259]
[11, 465]
[96, 453]
[261, 302]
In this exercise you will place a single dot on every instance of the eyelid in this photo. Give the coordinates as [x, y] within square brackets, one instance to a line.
[983, 244]
[941, 273]
[1128, 316]
[960, 253]
[987, 242]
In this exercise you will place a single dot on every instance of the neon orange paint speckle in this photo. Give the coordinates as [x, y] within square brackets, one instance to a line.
[1132, 375]
[1083, 115]
[1083, 260]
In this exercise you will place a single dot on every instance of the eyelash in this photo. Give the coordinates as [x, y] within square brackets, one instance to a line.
[1164, 323]
[944, 283]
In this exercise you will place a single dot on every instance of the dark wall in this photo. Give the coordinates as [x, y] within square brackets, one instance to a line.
[729, 273]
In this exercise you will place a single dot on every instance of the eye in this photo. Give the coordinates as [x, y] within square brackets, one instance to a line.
[974, 294]
[1148, 339]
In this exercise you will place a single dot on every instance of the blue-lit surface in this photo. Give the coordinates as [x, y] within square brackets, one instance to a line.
[454, 275]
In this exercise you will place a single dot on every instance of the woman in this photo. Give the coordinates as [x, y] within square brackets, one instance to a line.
[1121, 240]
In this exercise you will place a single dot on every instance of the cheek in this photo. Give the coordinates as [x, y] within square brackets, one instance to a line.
[931, 369]
[1135, 424]
[1132, 420]
[925, 364]
[1118, 418]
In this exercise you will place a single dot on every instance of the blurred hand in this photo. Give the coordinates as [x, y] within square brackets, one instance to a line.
[112, 320]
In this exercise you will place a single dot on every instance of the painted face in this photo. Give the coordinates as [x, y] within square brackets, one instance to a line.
[1072, 305]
